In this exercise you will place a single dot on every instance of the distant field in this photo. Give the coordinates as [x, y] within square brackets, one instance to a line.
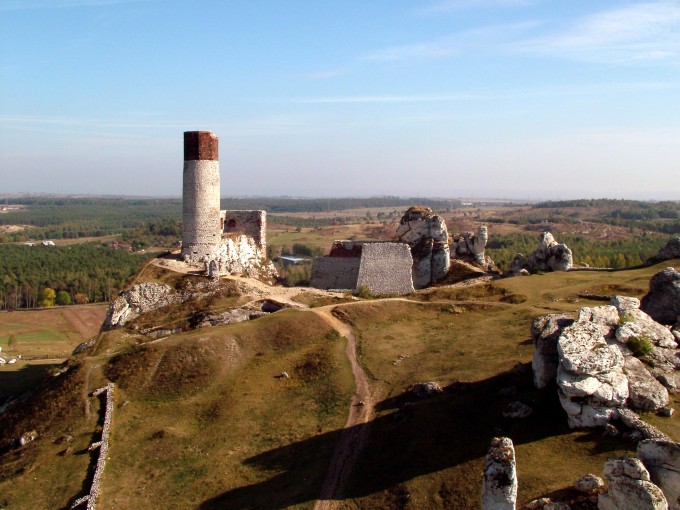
[43, 339]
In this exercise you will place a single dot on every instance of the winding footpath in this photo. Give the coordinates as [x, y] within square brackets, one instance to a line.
[353, 434]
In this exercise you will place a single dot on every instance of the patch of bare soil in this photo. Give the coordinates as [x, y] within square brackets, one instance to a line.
[12, 229]
[86, 320]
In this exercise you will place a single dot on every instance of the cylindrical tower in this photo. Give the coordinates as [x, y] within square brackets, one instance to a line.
[201, 234]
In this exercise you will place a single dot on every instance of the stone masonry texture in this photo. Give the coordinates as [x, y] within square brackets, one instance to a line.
[202, 234]
[386, 269]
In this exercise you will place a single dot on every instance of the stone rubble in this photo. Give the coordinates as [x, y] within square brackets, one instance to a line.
[589, 484]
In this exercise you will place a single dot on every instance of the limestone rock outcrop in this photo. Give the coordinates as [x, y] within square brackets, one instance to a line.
[426, 234]
[499, 489]
[471, 246]
[545, 331]
[644, 391]
[629, 487]
[662, 302]
[662, 460]
[549, 256]
[590, 375]
[139, 299]
[670, 251]
[595, 371]
[242, 255]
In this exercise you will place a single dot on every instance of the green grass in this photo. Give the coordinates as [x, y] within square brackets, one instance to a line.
[431, 456]
[40, 336]
[207, 425]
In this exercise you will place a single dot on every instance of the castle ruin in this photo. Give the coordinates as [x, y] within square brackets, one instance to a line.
[224, 241]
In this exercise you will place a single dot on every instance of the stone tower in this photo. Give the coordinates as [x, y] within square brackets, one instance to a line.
[201, 234]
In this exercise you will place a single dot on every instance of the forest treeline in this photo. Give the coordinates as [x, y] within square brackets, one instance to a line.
[73, 218]
[47, 275]
[618, 253]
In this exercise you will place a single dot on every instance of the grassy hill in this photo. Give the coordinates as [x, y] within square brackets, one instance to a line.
[201, 421]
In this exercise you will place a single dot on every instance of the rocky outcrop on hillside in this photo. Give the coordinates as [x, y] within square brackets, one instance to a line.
[139, 299]
[499, 488]
[670, 251]
[241, 255]
[426, 234]
[549, 256]
[545, 331]
[630, 487]
[662, 460]
[470, 247]
[591, 359]
[662, 302]
[590, 375]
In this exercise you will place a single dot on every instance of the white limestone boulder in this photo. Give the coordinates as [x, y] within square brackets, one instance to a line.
[629, 487]
[499, 488]
[645, 392]
[662, 460]
[545, 331]
[583, 350]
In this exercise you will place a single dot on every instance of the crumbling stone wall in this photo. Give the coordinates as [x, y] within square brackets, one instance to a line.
[386, 269]
[250, 223]
[102, 446]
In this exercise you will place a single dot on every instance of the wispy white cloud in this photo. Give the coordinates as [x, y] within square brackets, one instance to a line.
[326, 74]
[428, 50]
[18, 5]
[637, 33]
[457, 5]
[381, 99]
[565, 90]
[478, 38]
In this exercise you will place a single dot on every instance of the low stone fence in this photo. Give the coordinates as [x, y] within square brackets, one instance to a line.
[103, 447]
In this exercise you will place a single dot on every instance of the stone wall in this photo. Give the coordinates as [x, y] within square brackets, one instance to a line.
[102, 446]
[250, 223]
[335, 273]
[386, 269]
[382, 267]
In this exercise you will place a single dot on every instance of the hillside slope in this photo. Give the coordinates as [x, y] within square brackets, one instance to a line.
[202, 421]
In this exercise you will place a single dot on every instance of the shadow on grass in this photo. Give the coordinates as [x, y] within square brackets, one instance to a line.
[409, 438]
[28, 377]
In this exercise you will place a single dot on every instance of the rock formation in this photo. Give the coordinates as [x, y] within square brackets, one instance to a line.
[545, 331]
[662, 460]
[470, 247]
[426, 234]
[499, 489]
[629, 487]
[549, 256]
[596, 373]
[242, 255]
[139, 299]
[662, 302]
[590, 375]
[670, 251]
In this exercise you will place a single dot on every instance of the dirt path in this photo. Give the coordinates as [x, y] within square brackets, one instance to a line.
[353, 434]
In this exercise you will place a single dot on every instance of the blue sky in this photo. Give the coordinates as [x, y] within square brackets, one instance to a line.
[451, 98]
